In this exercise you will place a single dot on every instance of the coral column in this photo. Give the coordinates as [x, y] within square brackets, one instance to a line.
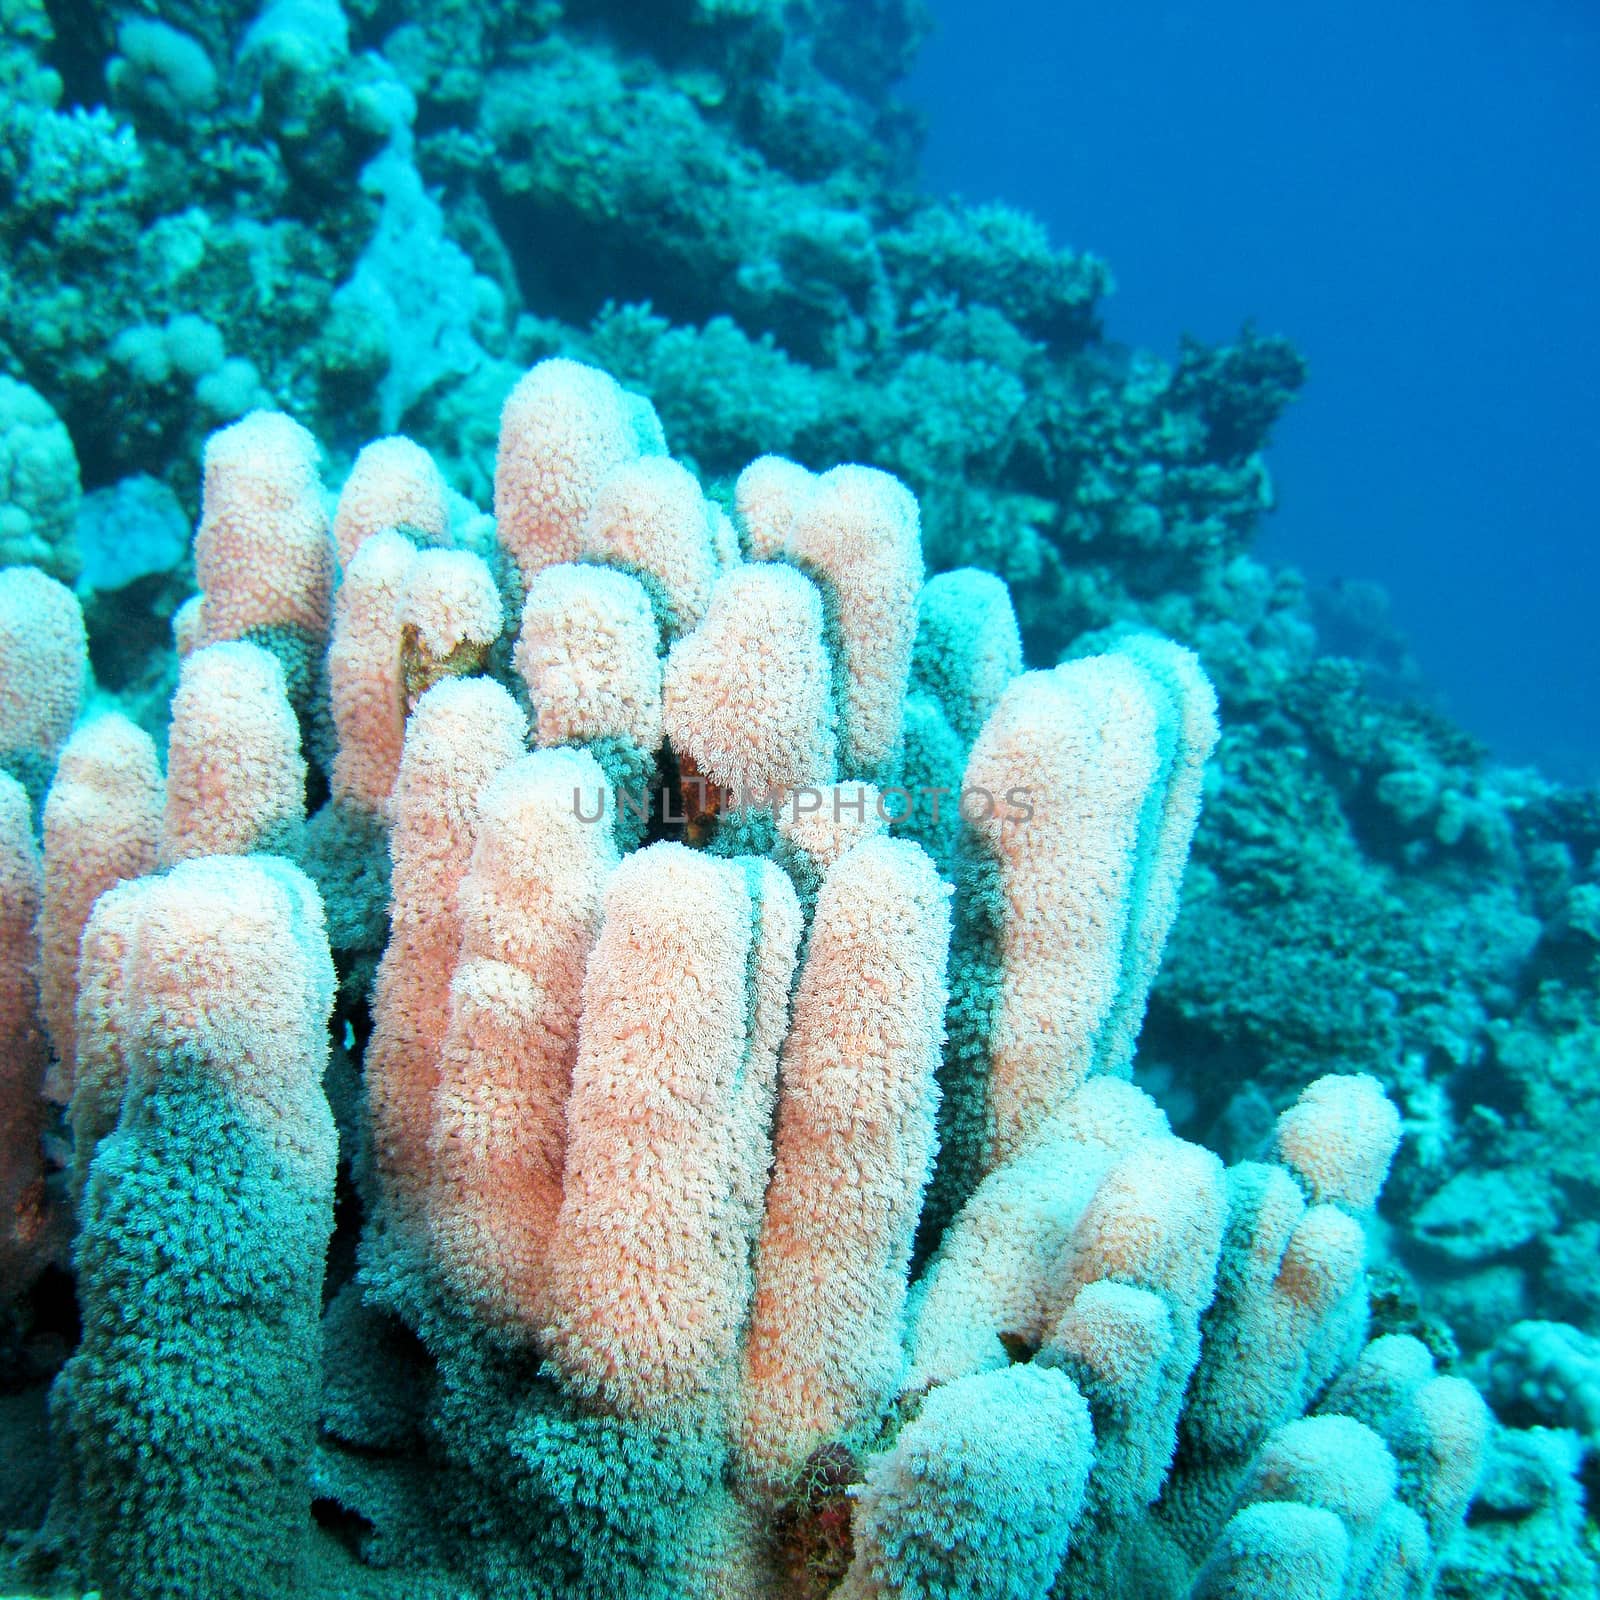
[189, 1406]
[461, 734]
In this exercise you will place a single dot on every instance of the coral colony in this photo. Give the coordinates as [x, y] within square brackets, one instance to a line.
[568, 1008]
[752, 1204]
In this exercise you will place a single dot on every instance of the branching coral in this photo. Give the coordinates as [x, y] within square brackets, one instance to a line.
[711, 198]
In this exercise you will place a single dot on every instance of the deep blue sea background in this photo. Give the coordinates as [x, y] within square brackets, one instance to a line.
[1409, 190]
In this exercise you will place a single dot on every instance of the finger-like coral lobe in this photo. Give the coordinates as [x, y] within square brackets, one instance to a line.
[587, 653]
[666, 1130]
[236, 780]
[748, 696]
[189, 1406]
[563, 428]
[23, 1055]
[263, 551]
[858, 532]
[460, 735]
[102, 824]
[44, 659]
[823, 1355]
[530, 909]
[395, 485]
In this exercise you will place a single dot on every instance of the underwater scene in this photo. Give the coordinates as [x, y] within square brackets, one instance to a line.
[704, 889]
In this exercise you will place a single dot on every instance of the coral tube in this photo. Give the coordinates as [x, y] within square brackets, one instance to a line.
[189, 1406]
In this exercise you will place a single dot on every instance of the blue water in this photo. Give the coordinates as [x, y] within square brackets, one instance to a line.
[1408, 190]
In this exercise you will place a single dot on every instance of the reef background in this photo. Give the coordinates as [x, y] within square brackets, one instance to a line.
[1410, 192]
[377, 218]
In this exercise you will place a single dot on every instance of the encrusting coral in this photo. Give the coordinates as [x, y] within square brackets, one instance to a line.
[752, 1200]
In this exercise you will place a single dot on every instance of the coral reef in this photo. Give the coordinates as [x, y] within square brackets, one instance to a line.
[396, 224]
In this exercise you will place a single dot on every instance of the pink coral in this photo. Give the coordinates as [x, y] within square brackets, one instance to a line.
[228, 965]
[462, 732]
[102, 823]
[1339, 1138]
[449, 616]
[1079, 747]
[823, 1355]
[44, 659]
[189, 626]
[996, 1271]
[1155, 1219]
[827, 821]
[393, 484]
[1187, 709]
[666, 1150]
[24, 1216]
[366, 690]
[587, 652]
[101, 1022]
[1025, 1244]
[748, 695]
[263, 555]
[1290, 1309]
[650, 518]
[236, 780]
[563, 428]
[403, 620]
[860, 532]
[1294, 1551]
[530, 908]
[766, 497]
